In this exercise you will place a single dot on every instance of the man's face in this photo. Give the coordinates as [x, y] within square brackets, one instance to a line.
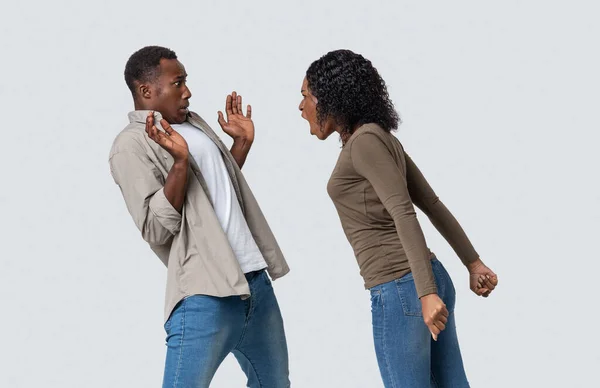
[169, 93]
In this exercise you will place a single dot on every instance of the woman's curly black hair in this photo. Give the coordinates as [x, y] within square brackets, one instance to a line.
[350, 90]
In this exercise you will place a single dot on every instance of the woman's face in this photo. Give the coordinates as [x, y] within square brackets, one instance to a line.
[308, 107]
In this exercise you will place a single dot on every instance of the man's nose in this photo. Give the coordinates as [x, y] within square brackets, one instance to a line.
[187, 93]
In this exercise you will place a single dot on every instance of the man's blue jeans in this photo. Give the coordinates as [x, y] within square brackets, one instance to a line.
[203, 330]
[406, 353]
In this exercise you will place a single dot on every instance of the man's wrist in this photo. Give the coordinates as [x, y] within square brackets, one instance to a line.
[242, 142]
[181, 162]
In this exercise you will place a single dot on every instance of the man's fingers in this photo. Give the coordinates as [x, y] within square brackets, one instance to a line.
[166, 126]
[160, 136]
[164, 141]
[157, 132]
[150, 118]
[234, 103]
[221, 120]
[154, 135]
[153, 126]
[233, 106]
[228, 108]
[149, 121]
[239, 102]
[154, 131]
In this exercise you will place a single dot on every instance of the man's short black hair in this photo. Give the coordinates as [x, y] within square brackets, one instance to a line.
[142, 66]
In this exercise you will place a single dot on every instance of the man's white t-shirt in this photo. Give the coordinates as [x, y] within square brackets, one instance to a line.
[224, 200]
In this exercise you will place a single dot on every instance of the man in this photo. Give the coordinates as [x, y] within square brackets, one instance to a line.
[189, 199]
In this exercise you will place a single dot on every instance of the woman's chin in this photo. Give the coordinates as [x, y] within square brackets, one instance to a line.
[316, 132]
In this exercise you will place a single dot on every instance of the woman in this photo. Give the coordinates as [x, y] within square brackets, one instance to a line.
[374, 186]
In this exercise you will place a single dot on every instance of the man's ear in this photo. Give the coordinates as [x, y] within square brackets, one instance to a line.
[144, 91]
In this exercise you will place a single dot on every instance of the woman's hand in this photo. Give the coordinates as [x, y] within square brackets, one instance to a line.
[482, 280]
[435, 314]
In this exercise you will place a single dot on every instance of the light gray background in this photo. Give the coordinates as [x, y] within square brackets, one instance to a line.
[500, 107]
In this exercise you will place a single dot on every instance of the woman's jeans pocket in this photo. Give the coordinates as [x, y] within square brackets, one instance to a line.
[407, 291]
[411, 305]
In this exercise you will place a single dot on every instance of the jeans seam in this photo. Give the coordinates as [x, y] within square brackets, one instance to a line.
[253, 367]
[243, 333]
[385, 352]
[247, 319]
[440, 272]
[267, 280]
[179, 360]
[375, 292]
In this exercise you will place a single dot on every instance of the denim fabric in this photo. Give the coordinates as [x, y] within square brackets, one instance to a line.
[203, 330]
[406, 353]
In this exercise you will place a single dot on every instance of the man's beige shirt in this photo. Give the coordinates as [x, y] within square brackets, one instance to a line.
[192, 244]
